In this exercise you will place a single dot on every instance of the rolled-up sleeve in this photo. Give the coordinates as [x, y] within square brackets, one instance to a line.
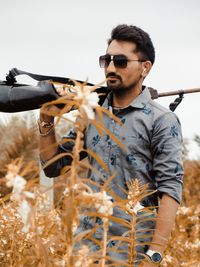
[167, 155]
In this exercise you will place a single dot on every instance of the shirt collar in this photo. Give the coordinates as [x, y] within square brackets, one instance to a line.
[139, 102]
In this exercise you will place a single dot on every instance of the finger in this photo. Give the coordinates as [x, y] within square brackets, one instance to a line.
[61, 90]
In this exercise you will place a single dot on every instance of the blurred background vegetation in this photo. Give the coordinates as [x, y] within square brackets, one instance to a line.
[19, 138]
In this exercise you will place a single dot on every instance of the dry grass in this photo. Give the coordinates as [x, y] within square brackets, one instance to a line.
[184, 245]
[35, 233]
[19, 138]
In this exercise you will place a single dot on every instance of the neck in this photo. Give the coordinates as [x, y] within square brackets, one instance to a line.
[122, 98]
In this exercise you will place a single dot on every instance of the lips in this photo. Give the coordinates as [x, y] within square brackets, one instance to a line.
[113, 78]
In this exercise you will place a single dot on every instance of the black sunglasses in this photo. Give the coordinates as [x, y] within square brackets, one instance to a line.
[120, 61]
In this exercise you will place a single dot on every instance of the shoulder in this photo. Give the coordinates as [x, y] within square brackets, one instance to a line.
[165, 123]
[162, 113]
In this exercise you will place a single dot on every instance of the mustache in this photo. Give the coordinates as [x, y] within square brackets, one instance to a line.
[113, 74]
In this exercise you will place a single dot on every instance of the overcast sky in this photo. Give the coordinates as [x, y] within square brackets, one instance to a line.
[66, 37]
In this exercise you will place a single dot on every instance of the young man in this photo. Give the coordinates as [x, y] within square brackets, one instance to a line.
[152, 135]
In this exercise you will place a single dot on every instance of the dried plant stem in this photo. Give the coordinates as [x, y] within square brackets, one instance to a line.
[13, 246]
[75, 162]
[131, 247]
[105, 236]
[40, 250]
[72, 203]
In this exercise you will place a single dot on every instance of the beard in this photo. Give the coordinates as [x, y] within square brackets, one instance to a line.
[114, 82]
[117, 86]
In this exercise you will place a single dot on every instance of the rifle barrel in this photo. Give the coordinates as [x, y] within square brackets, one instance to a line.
[178, 92]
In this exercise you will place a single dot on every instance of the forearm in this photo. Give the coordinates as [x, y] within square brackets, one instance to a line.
[165, 222]
[47, 140]
[49, 148]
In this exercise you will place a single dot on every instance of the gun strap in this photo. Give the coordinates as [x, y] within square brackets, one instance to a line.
[10, 78]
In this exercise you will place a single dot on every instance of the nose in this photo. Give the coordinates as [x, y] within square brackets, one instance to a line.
[110, 67]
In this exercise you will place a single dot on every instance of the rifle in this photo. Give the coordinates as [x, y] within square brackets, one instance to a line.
[177, 101]
[15, 97]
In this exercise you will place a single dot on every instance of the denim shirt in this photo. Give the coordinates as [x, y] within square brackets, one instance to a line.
[153, 138]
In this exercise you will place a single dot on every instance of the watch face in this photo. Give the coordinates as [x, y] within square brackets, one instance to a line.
[156, 257]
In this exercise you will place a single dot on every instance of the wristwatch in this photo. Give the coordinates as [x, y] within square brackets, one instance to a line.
[154, 256]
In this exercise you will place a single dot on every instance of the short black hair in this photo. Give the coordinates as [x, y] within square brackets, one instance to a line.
[130, 33]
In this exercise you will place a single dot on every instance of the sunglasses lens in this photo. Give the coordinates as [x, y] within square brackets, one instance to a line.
[120, 61]
[104, 61]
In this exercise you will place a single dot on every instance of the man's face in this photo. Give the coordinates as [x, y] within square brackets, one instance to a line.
[123, 78]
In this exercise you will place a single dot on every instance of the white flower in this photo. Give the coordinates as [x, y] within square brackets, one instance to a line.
[89, 111]
[104, 204]
[72, 115]
[78, 263]
[82, 92]
[24, 211]
[82, 258]
[92, 99]
[61, 263]
[168, 258]
[88, 100]
[66, 192]
[29, 194]
[193, 245]
[101, 201]
[135, 208]
[183, 210]
[12, 171]
[18, 183]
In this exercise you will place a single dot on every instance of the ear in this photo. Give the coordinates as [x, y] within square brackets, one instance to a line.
[146, 67]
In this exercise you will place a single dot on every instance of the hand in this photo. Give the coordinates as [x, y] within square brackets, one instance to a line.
[48, 112]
